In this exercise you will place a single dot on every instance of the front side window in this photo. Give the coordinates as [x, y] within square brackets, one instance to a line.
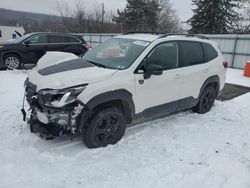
[116, 53]
[0, 33]
[191, 54]
[21, 39]
[165, 55]
[38, 39]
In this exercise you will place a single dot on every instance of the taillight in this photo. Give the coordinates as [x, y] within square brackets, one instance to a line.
[225, 64]
[86, 46]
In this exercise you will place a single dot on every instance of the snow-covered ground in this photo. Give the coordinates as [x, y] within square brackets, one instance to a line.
[235, 76]
[184, 150]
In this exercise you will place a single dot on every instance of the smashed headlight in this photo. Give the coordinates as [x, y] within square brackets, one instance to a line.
[59, 98]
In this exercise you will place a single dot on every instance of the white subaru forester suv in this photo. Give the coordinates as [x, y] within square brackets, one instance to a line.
[123, 81]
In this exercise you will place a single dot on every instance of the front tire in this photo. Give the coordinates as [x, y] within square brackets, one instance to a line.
[206, 100]
[12, 61]
[107, 127]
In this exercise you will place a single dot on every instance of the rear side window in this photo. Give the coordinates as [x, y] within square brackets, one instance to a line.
[62, 39]
[191, 54]
[209, 51]
[73, 39]
[58, 39]
[0, 33]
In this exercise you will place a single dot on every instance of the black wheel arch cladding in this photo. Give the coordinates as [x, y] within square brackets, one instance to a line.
[3, 56]
[211, 80]
[116, 95]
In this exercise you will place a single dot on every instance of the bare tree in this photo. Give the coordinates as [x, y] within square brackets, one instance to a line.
[80, 20]
[169, 22]
[67, 15]
[242, 25]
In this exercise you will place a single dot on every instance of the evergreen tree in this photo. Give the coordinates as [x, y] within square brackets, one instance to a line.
[139, 15]
[214, 16]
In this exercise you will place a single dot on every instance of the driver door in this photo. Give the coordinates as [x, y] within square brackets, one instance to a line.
[160, 93]
[35, 48]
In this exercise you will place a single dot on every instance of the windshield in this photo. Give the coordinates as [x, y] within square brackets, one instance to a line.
[20, 39]
[116, 53]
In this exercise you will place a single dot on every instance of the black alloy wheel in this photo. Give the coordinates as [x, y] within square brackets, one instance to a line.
[206, 100]
[107, 130]
[107, 127]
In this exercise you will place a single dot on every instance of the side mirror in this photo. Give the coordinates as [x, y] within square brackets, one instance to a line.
[152, 69]
[27, 43]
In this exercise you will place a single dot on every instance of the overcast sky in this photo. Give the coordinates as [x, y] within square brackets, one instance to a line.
[183, 7]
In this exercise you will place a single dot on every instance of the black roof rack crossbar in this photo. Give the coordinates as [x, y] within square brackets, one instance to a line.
[143, 32]
[182, 34]
[163, 35]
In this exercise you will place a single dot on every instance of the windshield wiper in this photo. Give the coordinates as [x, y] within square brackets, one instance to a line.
[96, 64]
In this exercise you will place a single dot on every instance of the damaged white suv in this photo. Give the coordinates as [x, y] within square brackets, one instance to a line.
[127, 79]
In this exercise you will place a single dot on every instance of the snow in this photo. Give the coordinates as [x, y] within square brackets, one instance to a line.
[183, 150]
[235, 76]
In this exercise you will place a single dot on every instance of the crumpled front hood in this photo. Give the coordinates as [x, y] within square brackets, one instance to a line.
[71, 71]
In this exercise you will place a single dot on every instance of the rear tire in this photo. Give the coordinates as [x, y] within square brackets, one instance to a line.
[12, 61]
[107, 127]
[206, 100]
[77, 53]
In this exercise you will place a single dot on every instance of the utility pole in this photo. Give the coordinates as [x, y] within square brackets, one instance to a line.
[103, 13]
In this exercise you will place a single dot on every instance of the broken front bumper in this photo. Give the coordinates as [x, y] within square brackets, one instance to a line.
[55, 122]
[49, 121]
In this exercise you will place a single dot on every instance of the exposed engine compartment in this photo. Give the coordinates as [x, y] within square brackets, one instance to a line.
[50, 121]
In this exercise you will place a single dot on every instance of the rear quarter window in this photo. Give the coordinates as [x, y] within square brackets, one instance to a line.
[191, 54]
[73, 40]
[209, 51]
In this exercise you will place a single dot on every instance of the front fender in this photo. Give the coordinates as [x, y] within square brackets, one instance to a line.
[120, 94]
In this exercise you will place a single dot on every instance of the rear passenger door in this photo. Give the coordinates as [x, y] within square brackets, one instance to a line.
[194, 69]
[57, 43]
[64, 43]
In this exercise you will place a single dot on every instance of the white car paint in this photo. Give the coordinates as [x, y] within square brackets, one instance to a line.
[171, 86]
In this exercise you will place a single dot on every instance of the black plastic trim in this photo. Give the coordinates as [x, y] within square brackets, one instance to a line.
[120, 94]
[210, 80]
[168, 108]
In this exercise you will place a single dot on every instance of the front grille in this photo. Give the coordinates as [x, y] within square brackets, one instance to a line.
[30, 91]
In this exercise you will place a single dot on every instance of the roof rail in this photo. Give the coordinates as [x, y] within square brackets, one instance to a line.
[182, 34]
[143, 32]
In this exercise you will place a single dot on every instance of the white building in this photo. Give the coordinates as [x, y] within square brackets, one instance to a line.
[8, 33]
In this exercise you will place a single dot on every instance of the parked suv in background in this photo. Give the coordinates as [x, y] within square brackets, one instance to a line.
[29, 48]
[123, 81]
